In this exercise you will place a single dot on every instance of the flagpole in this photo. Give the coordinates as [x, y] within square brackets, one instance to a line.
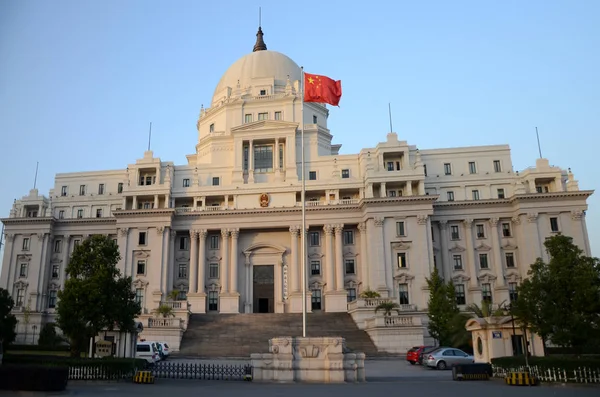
[303, 237]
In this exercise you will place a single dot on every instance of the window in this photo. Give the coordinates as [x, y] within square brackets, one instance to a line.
[23, 270]
[314, 239]
[315, 119]
[447, 169]
[501, 194]
[315, 268]
[506, 229]
[211, 128]
[52, 299]
[141, 267]
[182, 270]
[486, 292]
[390, 166]
[183, 243]
[391, 193]
[215, 181]
[263, 158]
[63, 191]
[312, 175]
[214, 242]
[213, 270]
[400, 229]
[57, 246]
[99, 213]
[402, 260]
[142, 238]
[61, 214]
[457, 262]
[32, 214]
[472, 167]
[79, 213]
[450, 196]
[25, 244]
[186, 182]
[247, 118]
[76, 242]
[435, 262]
[101, 188]
[425, 169]
[460, 294]
[483, 261]
[510, 259]
[351, 294]
[554, 225]
[263, 116]
[55, 271]
[475, 194]
[349, 266]
[480, 231]
[246, 151]
[20, 298]
[213, 301]
[82, 190]
[346, 173]
[497, 166]
[316, 299]
[263, 92]
[120, 187]
[403, 294]
[512, 292]
[281, 156]
[432, 235]
[277, 115]
[454, 235]
[139, 295]
[348, 237]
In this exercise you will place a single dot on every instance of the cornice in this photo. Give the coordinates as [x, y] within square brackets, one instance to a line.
[78, 221]
[399, 200]
[20, 221]
[144, 212]
[515, 199]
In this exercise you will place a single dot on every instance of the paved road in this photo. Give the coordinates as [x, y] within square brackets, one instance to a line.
[444, 388]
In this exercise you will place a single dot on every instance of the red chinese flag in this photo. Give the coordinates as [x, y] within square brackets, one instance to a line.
[322, 89]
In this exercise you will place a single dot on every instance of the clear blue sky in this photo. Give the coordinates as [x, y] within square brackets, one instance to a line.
[81, 80]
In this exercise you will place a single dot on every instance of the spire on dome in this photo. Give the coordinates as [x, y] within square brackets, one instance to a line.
[260, 44]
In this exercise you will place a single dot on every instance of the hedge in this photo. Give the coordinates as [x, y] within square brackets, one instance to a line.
[33, 377]
[567, 363]
[38, 348]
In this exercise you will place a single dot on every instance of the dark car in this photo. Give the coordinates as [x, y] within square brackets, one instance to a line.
[413, 355]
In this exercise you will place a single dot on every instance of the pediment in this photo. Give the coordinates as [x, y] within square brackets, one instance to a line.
[317, 284]
[265, 248]
[512, 276]
[401, 245]
[265, 125]
[352, 284]
[23, 257]
[140, 283]
[56, 259]
[182, 258]
[181, 285]
[349, 253]
[141, 254]
[486, 277]
[213, 258]
[214, 287]
[460, 279]
[456, 248]
[21, 284]
[314, 255]
[509, 246]
[53, 286]
[483, 247]
[403, 277]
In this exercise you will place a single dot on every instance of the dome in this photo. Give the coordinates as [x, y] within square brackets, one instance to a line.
[258, 64]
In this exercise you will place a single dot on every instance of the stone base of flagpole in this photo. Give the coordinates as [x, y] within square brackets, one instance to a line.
[294, 304]
[316, 360]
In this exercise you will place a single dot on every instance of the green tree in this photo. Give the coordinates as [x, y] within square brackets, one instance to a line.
[8, 321]
[560, 300]
[442, 309]
[95, 297]
[48, 336]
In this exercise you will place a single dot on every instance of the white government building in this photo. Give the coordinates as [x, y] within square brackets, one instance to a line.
[224, 228]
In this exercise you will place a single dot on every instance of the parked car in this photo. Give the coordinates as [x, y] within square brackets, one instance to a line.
[447, 357]
[423, 353]
[412, 356]
[164, 348]
[147, 350]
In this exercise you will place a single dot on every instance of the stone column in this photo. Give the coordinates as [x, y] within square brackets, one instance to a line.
[172, 265]
[134, 204]
[409, 190]
[225, 255]
[248, 300]
[202, 261]
[163, 233]
[233, 286]
[123, 249]
[382, 190]
[193, 276]
[472, 269]
[250, 161]
[329, 261]
[379, 257]
[167, 201]
[65, 260]
[339, 258]
[533, 235]
[294, 259]
[364, 269]
[498, 268]
[276, 154]
[444, 257]
[156, 201]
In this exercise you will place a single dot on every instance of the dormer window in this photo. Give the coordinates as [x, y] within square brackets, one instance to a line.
[315, 119]
[211, 128]
[63, 191]
[82, 190]
[263, 92]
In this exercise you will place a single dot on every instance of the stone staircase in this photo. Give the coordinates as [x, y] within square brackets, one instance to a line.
[239, 335]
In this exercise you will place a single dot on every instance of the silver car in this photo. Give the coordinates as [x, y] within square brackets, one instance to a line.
[446, 357]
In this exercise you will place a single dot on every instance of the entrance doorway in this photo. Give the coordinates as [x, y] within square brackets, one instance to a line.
[263, 300]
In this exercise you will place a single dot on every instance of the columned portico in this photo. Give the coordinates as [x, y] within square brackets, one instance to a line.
[265, 266]
[335, 296]
[196, 295]
[229, 301]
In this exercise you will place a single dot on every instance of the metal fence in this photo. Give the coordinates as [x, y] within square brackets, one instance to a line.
[580, 375]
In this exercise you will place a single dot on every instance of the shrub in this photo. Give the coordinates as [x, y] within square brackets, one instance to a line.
[549, 362]
[38, 348]
[33, 377]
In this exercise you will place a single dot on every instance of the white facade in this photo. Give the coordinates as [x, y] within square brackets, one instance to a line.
[226, 225]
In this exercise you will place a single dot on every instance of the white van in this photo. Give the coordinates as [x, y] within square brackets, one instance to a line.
[148, 351]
